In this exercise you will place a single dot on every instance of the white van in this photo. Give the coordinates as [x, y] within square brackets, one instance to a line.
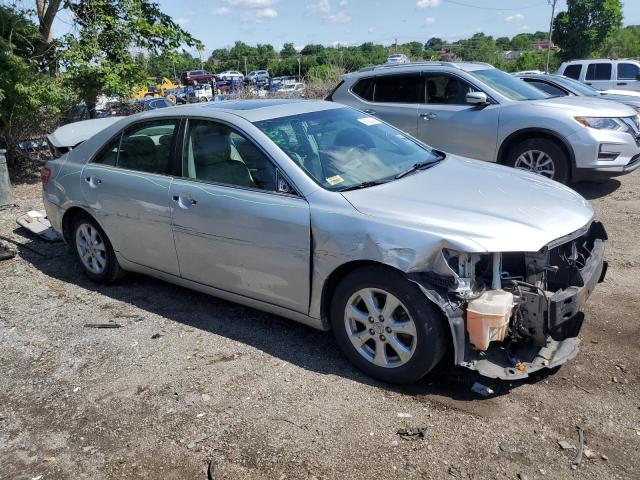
[604, 74]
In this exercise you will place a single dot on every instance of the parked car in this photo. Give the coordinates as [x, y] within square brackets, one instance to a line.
[195, 77]
[292, 89]
[230, 75]
[397, 58]
[182, 94]
[604, 74]
[561, 86]
[145, 104]
[330, 217]
[200, 93]
[258, 76]
[475, 110]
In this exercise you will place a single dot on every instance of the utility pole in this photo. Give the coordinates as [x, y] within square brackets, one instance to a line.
[553, 11]
[396, 46]
[245, 64]
[299, 77]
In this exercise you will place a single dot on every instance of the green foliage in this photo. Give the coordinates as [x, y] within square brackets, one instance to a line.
[624, 43]
[98, 58]
[583, 29]
[30, 100]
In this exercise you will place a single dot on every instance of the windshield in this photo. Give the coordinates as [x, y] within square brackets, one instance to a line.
[577, 86]
[511, 87]
[340, 148]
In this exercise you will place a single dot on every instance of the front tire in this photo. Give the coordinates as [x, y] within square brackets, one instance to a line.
[94, 251]
[542, 156]
[386, 326]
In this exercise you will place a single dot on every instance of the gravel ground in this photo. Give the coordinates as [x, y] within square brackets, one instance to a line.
[189, 379]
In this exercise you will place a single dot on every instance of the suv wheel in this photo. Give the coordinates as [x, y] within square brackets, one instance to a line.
[541, 156]
[386, 326]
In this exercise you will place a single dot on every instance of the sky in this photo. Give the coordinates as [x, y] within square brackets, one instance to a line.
[219, 23]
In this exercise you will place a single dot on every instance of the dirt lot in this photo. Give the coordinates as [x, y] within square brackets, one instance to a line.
[189, 378]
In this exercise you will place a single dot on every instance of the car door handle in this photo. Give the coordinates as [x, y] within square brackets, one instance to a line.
[428, 116]
[370, 111]
[93, 181]
[184, 201]
[621, 83]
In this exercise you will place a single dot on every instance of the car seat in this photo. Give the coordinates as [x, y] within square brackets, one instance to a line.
[213, 162]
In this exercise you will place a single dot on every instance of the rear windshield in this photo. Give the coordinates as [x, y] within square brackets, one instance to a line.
[511, 87]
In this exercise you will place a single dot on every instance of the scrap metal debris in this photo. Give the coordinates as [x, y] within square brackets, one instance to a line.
[481, 389]
[102, 325]
[5, 253]
[18, 244]
[578, 458]
[210, 470]
[36, 222]
[566, 445]
[412, 433]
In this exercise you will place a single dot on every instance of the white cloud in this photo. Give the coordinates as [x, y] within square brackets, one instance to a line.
[422, 4]
[183, 21]
[524, 28]
[324, 9]
[429, 20]
[338, 17]
[371, 30]
[258, 14]
[518, 17]
[219, 11]
[251, 3]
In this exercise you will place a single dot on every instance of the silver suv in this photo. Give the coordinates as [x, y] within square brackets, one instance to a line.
[478, 111]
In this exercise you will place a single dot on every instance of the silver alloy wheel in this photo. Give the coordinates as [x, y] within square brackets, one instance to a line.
[380, 327]
[91, 248]
[536, 161]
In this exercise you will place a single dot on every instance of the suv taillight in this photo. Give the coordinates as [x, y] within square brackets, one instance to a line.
[45, 175]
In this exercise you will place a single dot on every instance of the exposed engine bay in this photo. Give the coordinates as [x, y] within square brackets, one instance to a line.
[519, 312]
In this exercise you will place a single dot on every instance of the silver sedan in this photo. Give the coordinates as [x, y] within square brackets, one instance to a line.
[330, 217]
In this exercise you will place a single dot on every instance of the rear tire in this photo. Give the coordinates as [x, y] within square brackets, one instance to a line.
[395, 344]
[542, 156]
[94, 251]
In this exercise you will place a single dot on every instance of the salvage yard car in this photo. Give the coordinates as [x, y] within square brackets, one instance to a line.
[475, 110]
[330, 217]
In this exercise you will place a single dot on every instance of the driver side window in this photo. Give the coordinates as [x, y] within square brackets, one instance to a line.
[446, 90]
[214, 152]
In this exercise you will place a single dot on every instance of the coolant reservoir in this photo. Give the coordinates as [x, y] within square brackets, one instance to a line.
[488, 317]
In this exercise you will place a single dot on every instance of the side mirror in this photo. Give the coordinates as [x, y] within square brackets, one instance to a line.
[477, 98]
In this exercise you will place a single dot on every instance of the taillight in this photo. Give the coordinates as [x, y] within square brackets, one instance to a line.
[45, 175]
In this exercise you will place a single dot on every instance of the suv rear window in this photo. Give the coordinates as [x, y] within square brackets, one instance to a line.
[598, 71]
[399, 89]
[573, 71]
[628, 71]
[364, 89]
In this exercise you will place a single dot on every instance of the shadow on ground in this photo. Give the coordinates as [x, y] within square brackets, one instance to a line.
[593, 190]
[284, 339]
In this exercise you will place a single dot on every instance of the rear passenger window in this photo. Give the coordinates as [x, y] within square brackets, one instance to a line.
[364, 89]
[399, 89]
[147, 147]
[628, 71]
[598, 71]
[109, 153]
[573, 71]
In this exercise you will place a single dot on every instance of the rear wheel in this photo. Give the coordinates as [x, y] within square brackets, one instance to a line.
[542, 156]
[94, 251]
[386, 326]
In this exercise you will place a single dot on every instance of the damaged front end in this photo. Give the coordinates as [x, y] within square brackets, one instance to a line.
[514, 313]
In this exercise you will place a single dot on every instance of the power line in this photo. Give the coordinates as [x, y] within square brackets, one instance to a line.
[462, 4]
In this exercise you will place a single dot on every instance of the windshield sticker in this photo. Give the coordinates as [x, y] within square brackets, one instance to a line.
[336, 179]
[368, 121]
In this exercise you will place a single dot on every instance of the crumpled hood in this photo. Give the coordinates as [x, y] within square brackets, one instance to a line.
[498, 208]
[585, 106]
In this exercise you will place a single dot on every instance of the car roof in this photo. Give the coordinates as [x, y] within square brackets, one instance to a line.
[250, 110]
[592, 60]
[420, 66]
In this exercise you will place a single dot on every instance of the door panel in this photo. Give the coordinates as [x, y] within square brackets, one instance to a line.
[627, 76]
[396, 99]
[133, 208]
[448, 123]
[127, 187]
[248, 242]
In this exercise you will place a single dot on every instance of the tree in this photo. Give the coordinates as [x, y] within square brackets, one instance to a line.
[46, 11]
[98, 57]
[434, 43]
[625, 43]
[288, 50]
[503, 43]
[584, 27]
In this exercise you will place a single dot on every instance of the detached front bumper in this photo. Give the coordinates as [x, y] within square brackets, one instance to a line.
[565, 317]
